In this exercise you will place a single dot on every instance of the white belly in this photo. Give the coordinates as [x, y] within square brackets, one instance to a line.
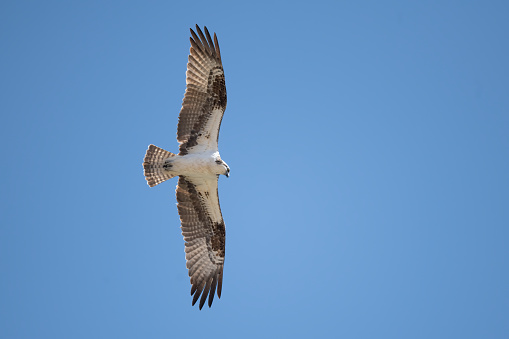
[195, 165]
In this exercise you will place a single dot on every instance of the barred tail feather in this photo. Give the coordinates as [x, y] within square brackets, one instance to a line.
[153, 165]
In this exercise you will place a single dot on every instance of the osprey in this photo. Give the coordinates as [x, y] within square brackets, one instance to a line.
[198, 166]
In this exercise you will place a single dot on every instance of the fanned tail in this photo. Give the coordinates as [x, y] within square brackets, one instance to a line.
[155, 169]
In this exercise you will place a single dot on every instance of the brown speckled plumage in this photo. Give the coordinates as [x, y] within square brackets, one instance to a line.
[206, 90]
[205, 242]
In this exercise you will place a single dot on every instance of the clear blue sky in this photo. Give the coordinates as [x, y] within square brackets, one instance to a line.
[369, 151]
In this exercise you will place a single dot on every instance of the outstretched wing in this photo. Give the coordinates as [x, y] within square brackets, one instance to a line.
[205, 98]
[204, 233]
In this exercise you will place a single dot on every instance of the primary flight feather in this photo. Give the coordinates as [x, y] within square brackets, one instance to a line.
[198, 166]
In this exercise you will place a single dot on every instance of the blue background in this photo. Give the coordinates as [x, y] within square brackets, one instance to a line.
[369, 149]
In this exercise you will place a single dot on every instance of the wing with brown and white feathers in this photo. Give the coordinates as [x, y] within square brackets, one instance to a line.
[204, 233]
[205, 98]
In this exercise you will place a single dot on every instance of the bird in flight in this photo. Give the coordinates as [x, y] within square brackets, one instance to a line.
[198, 166]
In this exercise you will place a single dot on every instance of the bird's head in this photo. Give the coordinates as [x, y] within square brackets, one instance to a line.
[225, 169]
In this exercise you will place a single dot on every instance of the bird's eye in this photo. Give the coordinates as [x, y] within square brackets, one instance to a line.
[219, 162]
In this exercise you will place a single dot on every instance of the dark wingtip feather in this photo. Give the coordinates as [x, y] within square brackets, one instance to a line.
[210, 42]
[195, 44]
[195, 298]
[212, 290]
[205, 294]
[218, 52]
[197, 293]
[219, 283]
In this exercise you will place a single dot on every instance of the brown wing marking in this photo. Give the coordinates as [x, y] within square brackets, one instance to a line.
[205, 97]
[204, 237]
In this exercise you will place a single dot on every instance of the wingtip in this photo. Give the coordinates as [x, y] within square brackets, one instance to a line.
[198, 27]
